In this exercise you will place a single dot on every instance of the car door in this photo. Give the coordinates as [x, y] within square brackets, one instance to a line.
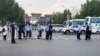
[74, 28]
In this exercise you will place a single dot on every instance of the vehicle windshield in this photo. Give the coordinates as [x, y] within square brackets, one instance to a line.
[95, 20]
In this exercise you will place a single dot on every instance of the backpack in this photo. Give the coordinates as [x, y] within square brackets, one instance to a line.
[3, 30]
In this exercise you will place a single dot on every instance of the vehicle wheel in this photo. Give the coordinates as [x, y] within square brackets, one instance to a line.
[97, 32]
[67, 32]
[82, 32]
[64, 32]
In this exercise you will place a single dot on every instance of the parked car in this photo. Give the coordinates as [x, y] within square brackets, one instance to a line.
[57, 27]
[71, 26]
[72, 29]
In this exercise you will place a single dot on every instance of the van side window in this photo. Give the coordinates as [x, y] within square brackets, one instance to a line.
[75, 26]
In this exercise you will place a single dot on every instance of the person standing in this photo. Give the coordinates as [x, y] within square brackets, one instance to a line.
[50, 31]
[39, 28]
[47, 31]
[28, 29]
[21, 29]
[5, 31]
[79, 32]
[90, 31]
[13, 33]
[87, 32]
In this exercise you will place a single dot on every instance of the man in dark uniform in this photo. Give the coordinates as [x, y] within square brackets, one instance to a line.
[50, 31]
[13, 33]
[87, 32]
[20, 31]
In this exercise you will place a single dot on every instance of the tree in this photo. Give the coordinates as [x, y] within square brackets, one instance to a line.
[59, 17]
[90, 8]
[65, 14]
[10, 10]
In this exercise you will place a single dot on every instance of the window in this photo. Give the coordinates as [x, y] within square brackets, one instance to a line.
[95, 20]
[81, 22]
[58, 25]
[78, 22]
[75, 26]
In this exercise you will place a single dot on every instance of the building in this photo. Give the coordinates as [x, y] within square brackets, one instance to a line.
[36, 14]
[35, 18]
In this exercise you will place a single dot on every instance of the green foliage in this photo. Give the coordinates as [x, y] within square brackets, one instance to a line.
[59, 17]
[90, 8]
[10, 10]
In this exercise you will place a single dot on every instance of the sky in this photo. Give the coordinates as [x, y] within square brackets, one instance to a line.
[50, 6]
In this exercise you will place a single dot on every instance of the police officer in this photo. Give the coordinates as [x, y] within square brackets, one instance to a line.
[87, 32]
[28, 29]
[13, 33]
[90, 31]
[21, 29]
[78, 32]
[39, 28]
[50, 31]
[47, 31]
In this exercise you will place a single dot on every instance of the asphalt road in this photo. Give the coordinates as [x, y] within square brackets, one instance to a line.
[60, 45]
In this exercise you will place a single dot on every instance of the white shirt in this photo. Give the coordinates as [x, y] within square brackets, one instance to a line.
[28, 27]
[79, 28]
[90, 28]
[39, 27]
[47, 28]
[6, 30]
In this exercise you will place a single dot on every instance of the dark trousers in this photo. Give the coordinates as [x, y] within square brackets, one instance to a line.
[20, 33]
[90, 34]
[13, 37]
[4, 37]
[28, 34]
[87, 35]
[47, 35]
[40, 34]
[78, 35]
[50, 35]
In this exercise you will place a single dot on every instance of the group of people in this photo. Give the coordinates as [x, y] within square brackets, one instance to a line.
[48, 30]
[26, 31]
[88, 32]
[15, 30]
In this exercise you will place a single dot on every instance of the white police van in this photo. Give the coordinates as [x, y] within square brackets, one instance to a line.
[71, 26]
[95, 23]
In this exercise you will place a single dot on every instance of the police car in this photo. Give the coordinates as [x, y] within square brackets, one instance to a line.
[57, 27]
